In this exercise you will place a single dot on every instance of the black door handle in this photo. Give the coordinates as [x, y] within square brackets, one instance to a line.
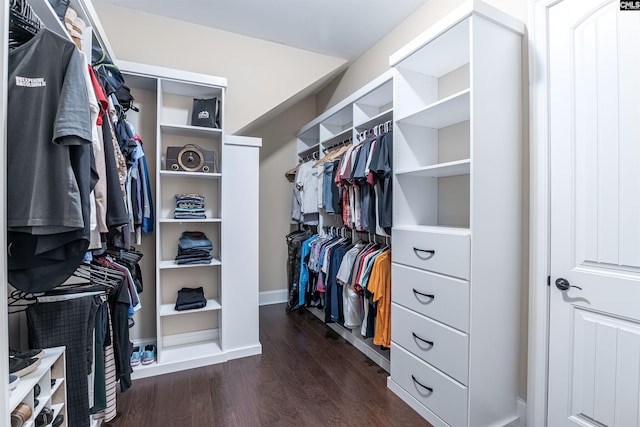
[564, 285]
[430, 296]
[422, 339]
[429, 389]
[430, 253]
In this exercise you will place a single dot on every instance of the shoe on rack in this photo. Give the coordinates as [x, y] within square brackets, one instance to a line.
[20, 415]
[149, 354]
[13, 381]
[135, 356]
[58, 421]
[36, 390]
[37, 353]
[22, 367]
[44, 418]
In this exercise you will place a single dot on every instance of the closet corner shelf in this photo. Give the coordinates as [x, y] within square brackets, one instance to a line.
[446, 112]
[193, 131]
[197, 221]
[376, 120]
[185, 174]
[27, 382]
[169, 309]
[168, 264]
[458, 167]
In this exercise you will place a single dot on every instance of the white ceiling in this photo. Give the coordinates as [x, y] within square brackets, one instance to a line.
[340, 28]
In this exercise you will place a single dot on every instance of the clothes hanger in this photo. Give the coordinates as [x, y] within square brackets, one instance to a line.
[19, 298]
[23, 23]
[131, 255]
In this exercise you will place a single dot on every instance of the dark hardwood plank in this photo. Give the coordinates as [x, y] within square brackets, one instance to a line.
[307, 375]
[202, 410]
[141, 408]
[180, 422]
[162, 404]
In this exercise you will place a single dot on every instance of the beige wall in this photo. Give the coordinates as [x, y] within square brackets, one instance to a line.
[261, 75]
[277, 156]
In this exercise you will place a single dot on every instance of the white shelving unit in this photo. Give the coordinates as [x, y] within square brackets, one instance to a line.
[174, 103]
[370, 106]
[457, 215]
[192, 338]
[52, 366]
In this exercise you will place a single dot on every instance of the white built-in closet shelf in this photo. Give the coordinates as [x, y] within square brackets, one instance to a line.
[446, 112]
[169, 309]
[192, 131]
[184, 174]
[167, 264]
[340, 136]
[179, 221]
[376, 120]
[458, 167]
[180, 353]
[441, 229]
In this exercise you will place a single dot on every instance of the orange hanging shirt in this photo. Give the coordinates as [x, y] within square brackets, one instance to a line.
[380, 286]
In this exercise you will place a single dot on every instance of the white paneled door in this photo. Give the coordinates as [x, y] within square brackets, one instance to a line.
[594, 117]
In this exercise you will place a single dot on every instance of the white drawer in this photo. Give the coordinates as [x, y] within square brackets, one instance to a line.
[441, 346]
[442, 298]
[442, 395]
[440, 252]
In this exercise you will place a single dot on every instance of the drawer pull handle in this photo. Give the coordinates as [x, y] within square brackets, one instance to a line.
[431, 296]
[422, 339]
[430, 253]
[421, 385]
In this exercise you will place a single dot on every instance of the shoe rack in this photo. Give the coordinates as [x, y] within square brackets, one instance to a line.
[54, 397]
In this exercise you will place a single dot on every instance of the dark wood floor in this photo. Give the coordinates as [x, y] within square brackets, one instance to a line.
[306, 376]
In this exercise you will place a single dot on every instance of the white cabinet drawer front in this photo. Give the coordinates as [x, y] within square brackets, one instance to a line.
[440, 252]
[442, 298]
[442, 395]
[441, 346]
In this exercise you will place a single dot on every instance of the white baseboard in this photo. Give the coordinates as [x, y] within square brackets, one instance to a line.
[273, 297]
[244, 352]
[522, 412]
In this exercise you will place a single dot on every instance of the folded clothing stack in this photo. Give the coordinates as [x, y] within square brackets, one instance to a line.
[190, 299]
[189, 206]
[194, 248]
[75, 26]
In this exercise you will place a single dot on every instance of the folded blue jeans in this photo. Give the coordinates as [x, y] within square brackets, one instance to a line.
[194, 260]
[194, 239]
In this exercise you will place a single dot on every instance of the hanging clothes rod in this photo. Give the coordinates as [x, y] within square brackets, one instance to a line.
[377, 130]
[338, 144]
